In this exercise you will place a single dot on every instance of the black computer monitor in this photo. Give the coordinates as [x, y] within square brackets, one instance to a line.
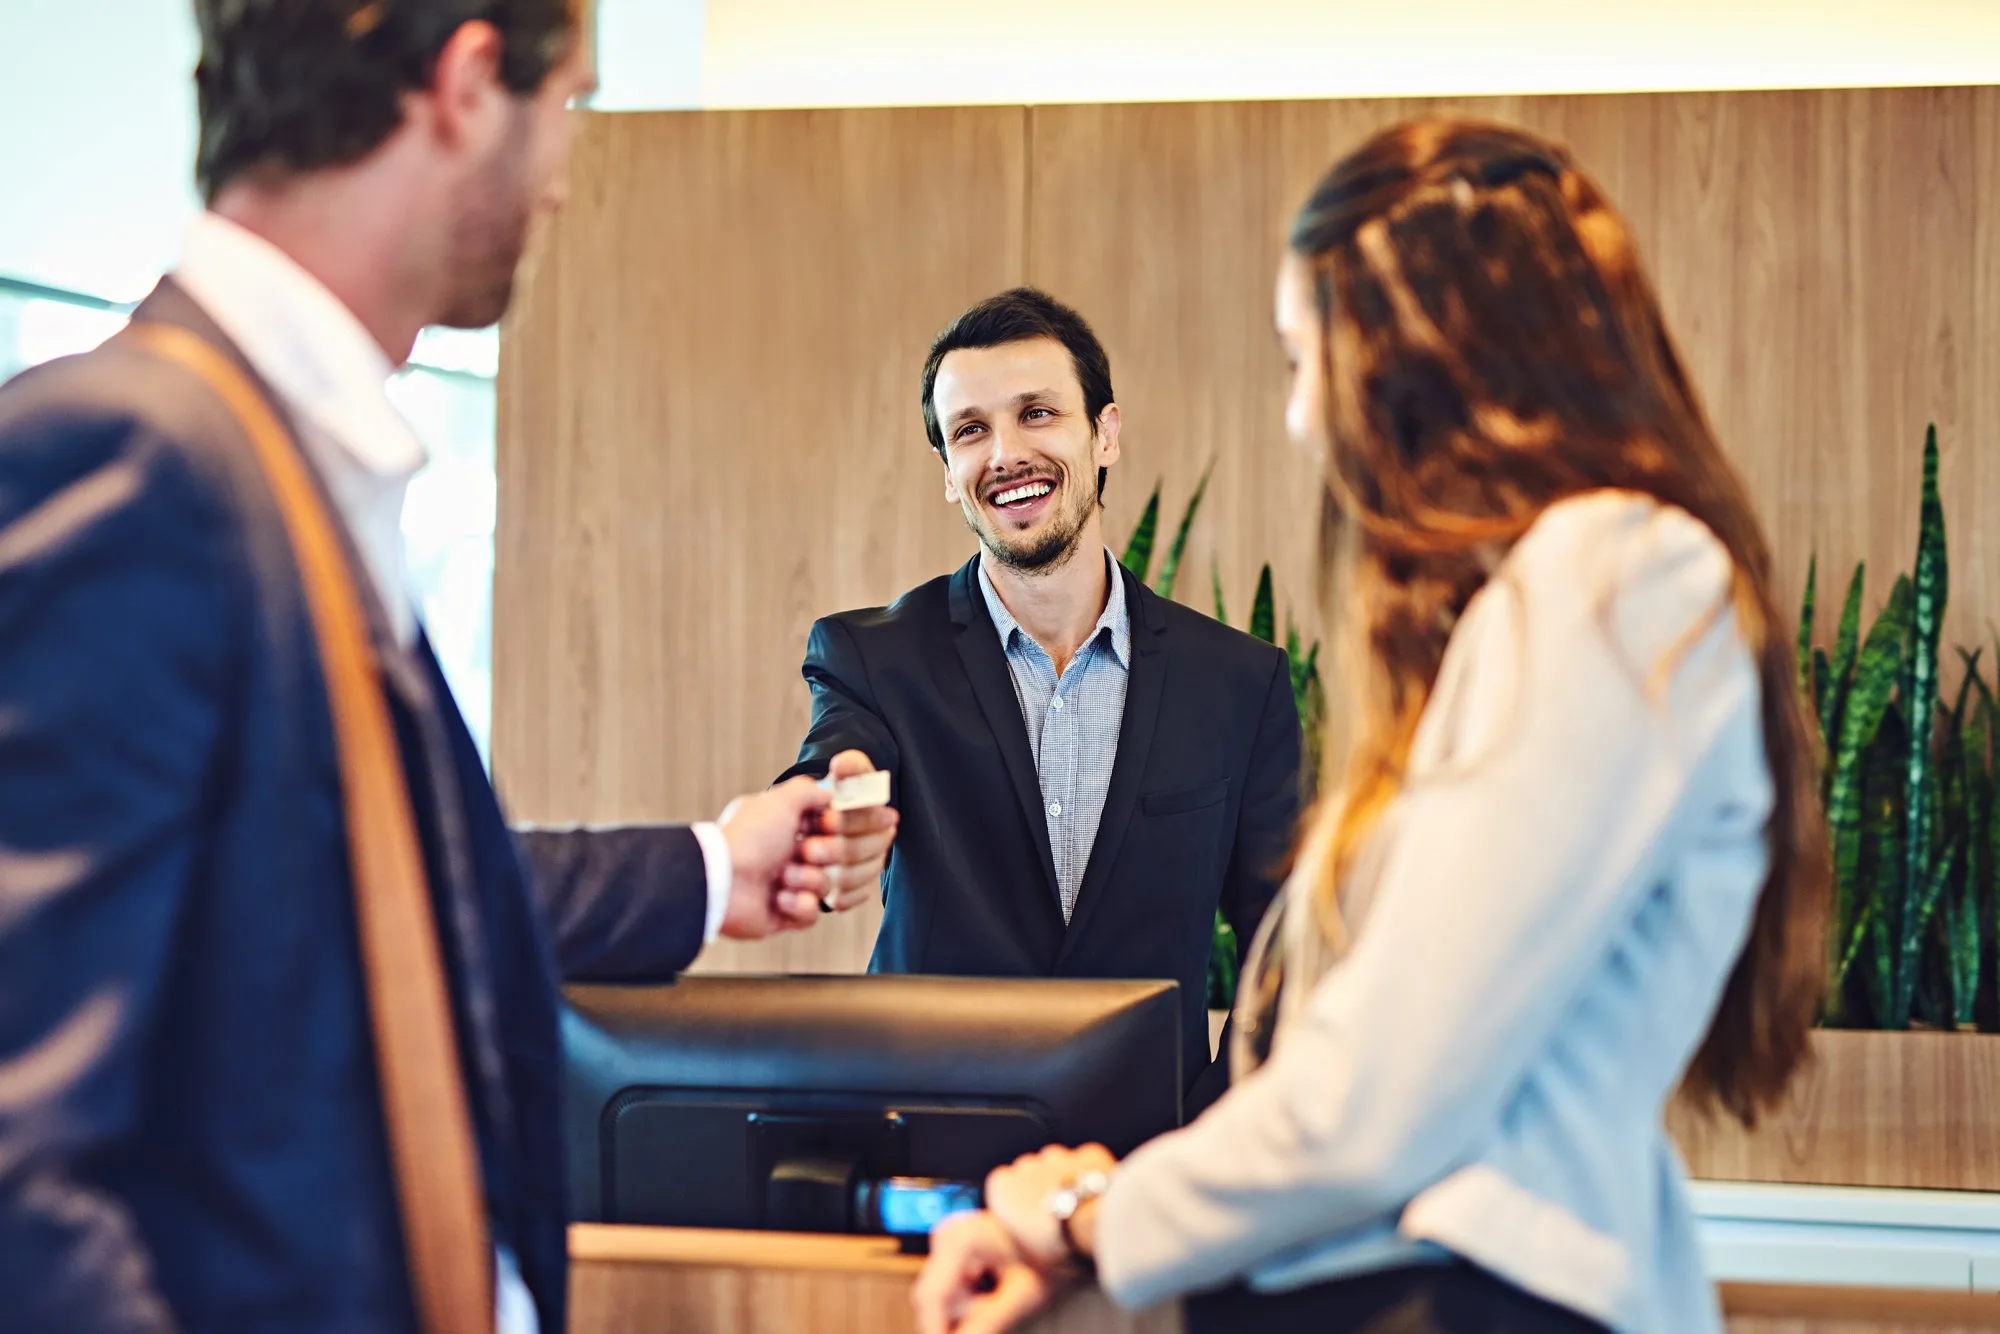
[774, 1102]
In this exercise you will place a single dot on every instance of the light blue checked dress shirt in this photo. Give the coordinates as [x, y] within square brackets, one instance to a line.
[1072, 723]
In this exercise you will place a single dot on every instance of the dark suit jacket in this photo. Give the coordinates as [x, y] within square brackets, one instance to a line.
[1200, 811]
[190, 1137]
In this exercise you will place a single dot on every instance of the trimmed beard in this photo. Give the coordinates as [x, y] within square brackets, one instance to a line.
[490, 235]
[1051, 551]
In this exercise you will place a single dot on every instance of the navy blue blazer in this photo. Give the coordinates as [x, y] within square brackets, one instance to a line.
[1203, 801]
[190, 1137]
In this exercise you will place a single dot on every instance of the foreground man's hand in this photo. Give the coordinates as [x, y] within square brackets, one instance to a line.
[977, 1280]
[840, 863]
[763, 835]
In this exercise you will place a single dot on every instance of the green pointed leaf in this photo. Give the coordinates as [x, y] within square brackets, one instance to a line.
[1976, 669]
[1970, 661]
[1881, 869]
[1948, 766]
[1973, 663]
[1310, 698]
[1806, 609]
[1856, 939]
[1822, 675]
[1964, 920]
[1222, 964]
[1138, 557]
[1988, 885]
[1304, 665]
[1263, 615]
[1877, 672]
[1846, 644]
[1170, 572]
[1932, 585]
[1917, 920]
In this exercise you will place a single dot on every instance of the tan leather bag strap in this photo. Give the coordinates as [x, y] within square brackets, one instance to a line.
[424, 1106]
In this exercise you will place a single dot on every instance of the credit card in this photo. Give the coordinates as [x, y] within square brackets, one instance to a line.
[858, 792]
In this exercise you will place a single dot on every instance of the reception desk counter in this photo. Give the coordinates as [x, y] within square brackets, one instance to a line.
[647, 1280]
[652, 1280]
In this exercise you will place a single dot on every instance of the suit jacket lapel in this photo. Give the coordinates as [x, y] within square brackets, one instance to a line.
[986, 667]
[1143, 687]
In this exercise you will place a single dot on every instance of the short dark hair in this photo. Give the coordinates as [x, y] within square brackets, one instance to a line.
[294, 85]
[1013, 317]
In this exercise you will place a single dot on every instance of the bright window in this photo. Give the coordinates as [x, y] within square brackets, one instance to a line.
[447, 393]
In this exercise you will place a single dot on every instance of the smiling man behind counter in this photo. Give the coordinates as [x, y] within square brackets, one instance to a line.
[1086, 770]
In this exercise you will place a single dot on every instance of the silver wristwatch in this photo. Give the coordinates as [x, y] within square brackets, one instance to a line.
[1063, 1202]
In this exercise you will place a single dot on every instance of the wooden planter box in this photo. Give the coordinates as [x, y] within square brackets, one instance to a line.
[1918, 1110]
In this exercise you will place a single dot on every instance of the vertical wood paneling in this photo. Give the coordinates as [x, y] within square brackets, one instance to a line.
[710, 436]
[1901, 1110]
[709, 432]
[1821, 257]
[1162, 225]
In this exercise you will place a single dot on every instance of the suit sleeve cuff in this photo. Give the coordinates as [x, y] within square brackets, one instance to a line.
[721, 870]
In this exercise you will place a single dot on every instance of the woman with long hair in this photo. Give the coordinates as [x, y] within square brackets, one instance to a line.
[1569, 857]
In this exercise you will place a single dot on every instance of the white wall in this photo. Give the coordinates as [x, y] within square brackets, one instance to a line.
[916, 52]
[649, 54]
[97, 117]
[97, 126]
[97, 134]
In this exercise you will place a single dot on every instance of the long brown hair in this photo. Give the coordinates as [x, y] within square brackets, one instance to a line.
[1491, 347]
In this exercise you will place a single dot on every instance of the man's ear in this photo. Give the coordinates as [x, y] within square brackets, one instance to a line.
[468, 99]
[1107, 450]
[951, 494]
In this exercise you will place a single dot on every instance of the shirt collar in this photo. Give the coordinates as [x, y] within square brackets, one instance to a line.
[310, 348]
[1115, 620]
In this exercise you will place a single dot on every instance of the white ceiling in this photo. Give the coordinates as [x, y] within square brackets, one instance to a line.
[96, 141]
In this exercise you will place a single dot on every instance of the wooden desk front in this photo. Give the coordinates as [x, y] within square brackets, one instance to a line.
[653, 1280]
[657, 1280]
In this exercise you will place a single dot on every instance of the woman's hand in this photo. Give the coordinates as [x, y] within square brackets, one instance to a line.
[1018, 1196]
[990, 1269]
[977, 1281]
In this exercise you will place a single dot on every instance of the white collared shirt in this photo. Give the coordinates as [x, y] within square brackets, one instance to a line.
[332, 376]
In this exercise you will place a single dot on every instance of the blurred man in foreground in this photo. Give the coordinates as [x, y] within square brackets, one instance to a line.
[278, 1009]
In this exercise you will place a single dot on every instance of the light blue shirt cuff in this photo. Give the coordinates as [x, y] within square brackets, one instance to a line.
[721, 870]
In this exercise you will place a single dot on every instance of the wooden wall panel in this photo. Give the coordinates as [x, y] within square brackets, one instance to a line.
[1907, 1110]
[1772, 1308]
[709, 436]
[1824, 259]
[709, 433]
[1162, 225]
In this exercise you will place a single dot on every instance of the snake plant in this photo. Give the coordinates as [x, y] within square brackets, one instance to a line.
[1138, 557]
[1909, 785]
[1308, 693]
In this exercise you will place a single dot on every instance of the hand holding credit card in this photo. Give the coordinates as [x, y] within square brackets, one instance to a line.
[844, 849]
[858, 792]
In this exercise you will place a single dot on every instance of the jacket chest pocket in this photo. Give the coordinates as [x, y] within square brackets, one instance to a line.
[1186, 799]
[1186, 844]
